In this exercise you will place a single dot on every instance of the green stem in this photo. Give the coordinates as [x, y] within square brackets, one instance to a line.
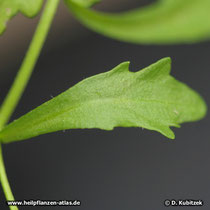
[5, 184]
[21, 81]
[29, 62]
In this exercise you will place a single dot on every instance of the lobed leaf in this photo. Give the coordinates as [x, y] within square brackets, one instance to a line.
[163, 22]
[9, 8]
[149, 98]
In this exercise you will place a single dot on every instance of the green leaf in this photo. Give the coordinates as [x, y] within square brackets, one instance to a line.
[163, 22]
[86, 3]
[149, 98]
[9, 8]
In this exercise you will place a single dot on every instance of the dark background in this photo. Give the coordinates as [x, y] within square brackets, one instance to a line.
[125, 169]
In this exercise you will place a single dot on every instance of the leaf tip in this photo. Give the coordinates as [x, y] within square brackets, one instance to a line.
[165, 61]
[172, 137]
[125, 64]
[122, 67]
[203, 108]
[166, 131]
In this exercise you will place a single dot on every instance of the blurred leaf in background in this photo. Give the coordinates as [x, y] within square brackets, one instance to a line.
[86, 3]
[163, 22]
[9, 8]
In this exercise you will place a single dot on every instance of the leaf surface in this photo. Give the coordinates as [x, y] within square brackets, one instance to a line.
[9, 8]
[163, 22]
[149, 98]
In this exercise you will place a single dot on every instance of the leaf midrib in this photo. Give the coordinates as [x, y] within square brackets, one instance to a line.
[116, 101]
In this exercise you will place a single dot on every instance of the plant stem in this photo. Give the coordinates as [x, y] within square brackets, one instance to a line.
[29, 62]
[21, 81]
[4, 181]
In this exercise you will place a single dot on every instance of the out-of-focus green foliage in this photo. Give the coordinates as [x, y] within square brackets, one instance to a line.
[9, 8]
[163, 22]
